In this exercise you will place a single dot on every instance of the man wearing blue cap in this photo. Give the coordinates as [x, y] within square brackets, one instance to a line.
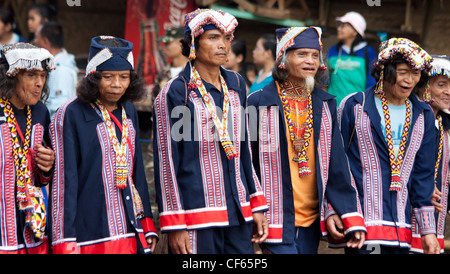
[298, 153]
[207, 191]
[99, 196]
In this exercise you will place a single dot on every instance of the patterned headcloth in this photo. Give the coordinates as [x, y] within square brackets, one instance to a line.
[440, 66]
[416, 57]
[297, 38]
[202, 20]
[103, 58]
[24, 56]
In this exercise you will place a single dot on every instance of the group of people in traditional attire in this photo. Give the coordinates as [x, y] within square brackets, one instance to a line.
[279, 168]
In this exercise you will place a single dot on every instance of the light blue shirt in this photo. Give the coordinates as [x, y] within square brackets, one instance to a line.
[259, 85]
[398, 116]
[62, 81]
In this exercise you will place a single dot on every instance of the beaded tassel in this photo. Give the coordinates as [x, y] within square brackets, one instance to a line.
[427, 95]
[192, 55]
[379, 89]
[282, 64]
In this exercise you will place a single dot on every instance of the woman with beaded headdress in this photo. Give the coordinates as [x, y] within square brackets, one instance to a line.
[437, 94]
[207, 191]
[298, 152]
[389, 137]
[26, 160]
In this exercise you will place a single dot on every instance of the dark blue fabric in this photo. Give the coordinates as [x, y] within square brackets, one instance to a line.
[339, 191]
[420, 184]
[85, 214]
[309, 38]
[119, 60]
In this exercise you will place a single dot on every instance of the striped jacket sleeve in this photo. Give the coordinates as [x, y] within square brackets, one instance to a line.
[64, 186]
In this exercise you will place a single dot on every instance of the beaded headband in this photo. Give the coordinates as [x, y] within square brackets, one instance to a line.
[298, 37]
[416, 57]
[204, 19]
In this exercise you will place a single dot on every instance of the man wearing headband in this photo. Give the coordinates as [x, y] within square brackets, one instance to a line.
[99, 199]
[298, 152]
[207, 191]
[26, 161]
[437, 94]
[390, 138]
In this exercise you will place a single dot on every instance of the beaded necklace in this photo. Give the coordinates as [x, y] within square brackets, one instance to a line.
[441, 145]
[396, 163]
[20, 154]
[119, 148]
[300, 143]
[221, 126]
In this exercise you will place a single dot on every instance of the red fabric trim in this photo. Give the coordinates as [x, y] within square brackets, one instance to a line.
[353, 221]
[388, 233]
[66, 248]
[416, 243]
[275, 233]
[148, 225]
[41, 249]
[258, 201]
[120, 246]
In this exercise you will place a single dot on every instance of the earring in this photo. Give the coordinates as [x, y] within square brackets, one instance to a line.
[427, 95]
[379, 89]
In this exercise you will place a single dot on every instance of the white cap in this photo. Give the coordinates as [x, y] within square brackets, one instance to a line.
[356, 20]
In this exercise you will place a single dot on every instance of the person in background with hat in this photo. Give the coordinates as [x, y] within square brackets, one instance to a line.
[298, 152]
[99, 195]
[389, 136]
[26, 160]
[351, 60]
[206, 188]
[437, 94]
[172, 52]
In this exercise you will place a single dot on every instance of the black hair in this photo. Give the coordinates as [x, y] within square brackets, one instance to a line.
[45, 11]
[88, 91]
[270, 43]
[8, 84]
[186, 44]
[7, 17]
[54, 32]
[358, 39]
[390, 72]
[238, 47]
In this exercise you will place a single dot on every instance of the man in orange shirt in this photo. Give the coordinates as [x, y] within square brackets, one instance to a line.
[298, 153]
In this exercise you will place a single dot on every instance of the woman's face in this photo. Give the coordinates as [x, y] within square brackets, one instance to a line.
[345, 31]
[407, 79]
[261, 55]
[34, 20]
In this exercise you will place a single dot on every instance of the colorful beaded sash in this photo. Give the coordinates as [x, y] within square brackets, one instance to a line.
[441, 145]
[221, 126]
[396, 162]
[295, 101]
[119, 148]
[29, 198]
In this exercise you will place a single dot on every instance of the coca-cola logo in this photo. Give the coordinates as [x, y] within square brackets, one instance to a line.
[177, 12]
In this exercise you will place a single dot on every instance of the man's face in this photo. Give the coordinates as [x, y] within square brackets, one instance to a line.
[29, 86]
[112, 86]
[302, 63]
[214, 47]
[39, 41]
[172, 49]
[407, 79]
[440, 91]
